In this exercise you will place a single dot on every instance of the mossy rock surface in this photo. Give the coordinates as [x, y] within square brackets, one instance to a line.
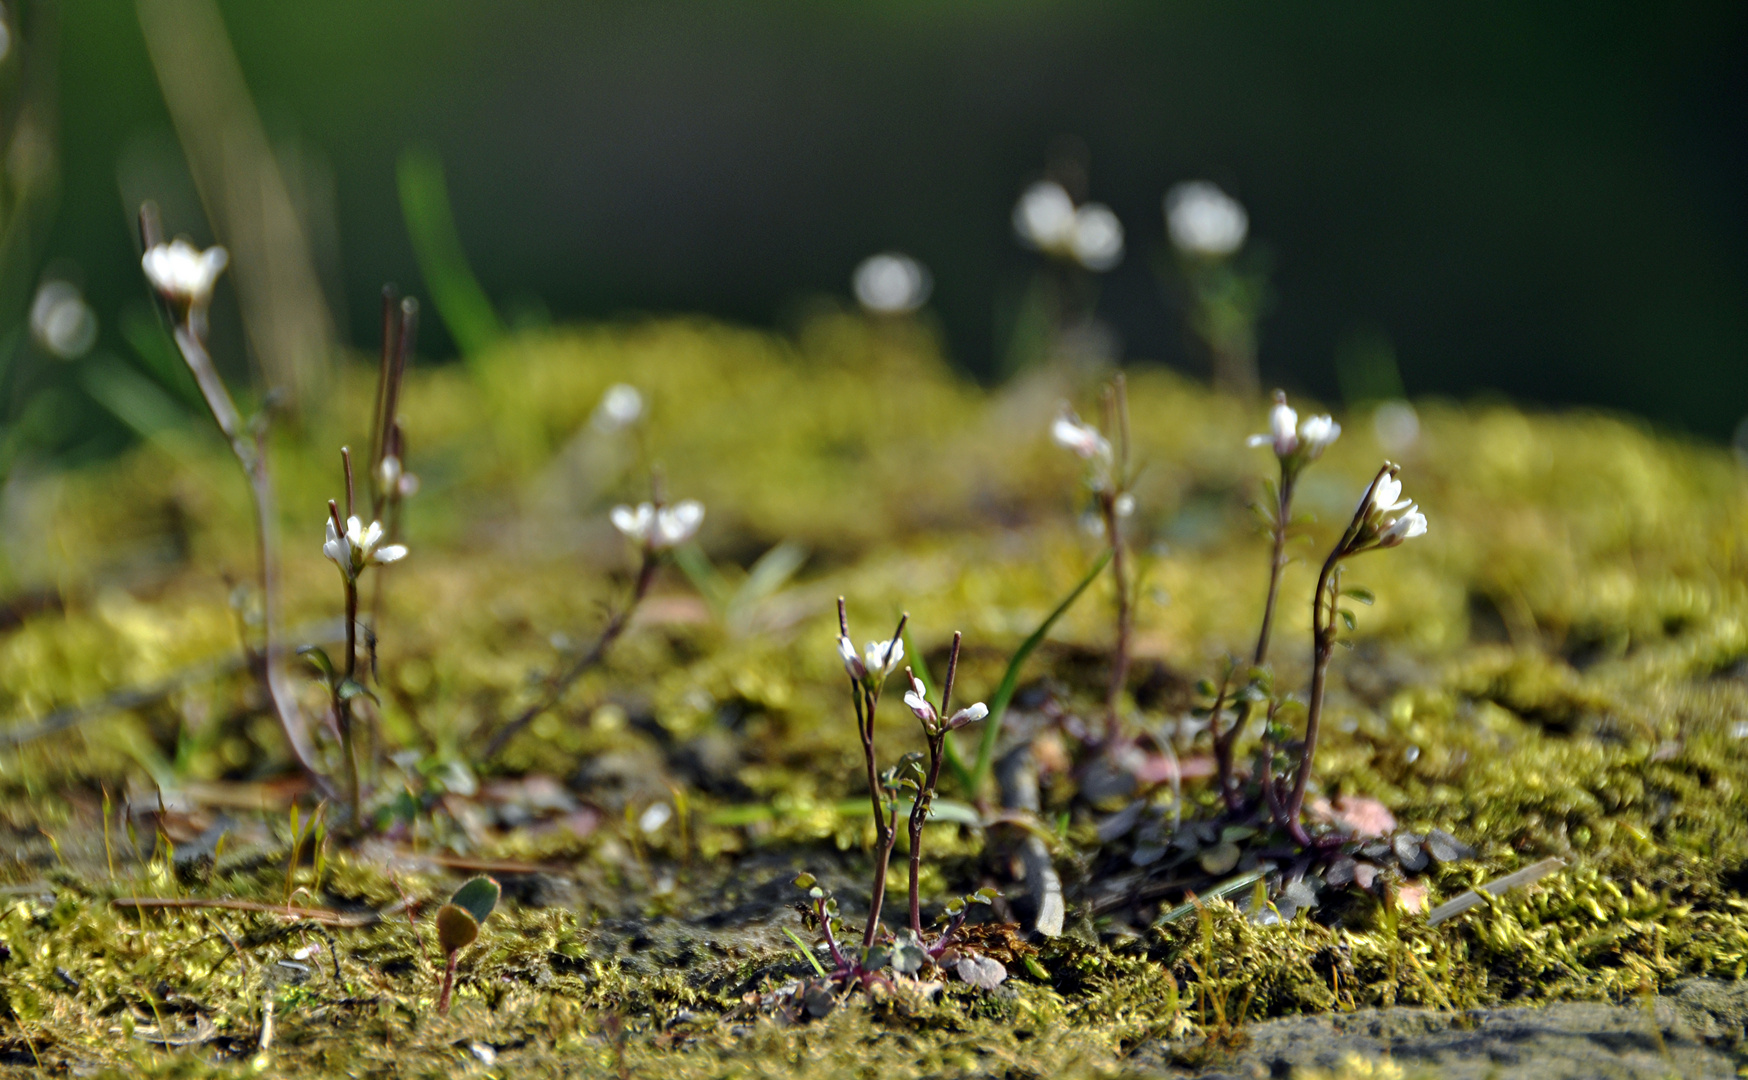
[1558, 668]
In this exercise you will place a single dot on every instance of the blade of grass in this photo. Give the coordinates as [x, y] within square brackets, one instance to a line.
[1010, 682]
[805, 951]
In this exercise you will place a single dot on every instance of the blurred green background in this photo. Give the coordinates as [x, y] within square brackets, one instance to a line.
[1541, 200]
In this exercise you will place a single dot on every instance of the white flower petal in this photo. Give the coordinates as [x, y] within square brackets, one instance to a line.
[390, 553]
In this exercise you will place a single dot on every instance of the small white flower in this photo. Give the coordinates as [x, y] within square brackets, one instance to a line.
[61, 321]
[1283, 419]
[1407, 527]
[917, 698]
[182, 274]
[1084, 439]
[881, 658]
[359, 546]
[891, 284]
[1316, 433]
[388, 473]
[620, 407]
[1387, 495]
[1203, 220]
[1097, 242]
[852, 661]
[1044, 218]
[1125, 505]
[970, 714]
[678, 523]
[659, 528]
[653, 818]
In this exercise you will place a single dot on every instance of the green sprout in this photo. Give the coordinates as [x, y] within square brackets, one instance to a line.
[458, 924]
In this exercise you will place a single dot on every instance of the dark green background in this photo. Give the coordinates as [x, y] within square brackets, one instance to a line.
[1541, 199]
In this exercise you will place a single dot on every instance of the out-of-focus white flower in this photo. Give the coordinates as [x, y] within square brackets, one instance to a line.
[658, 528]
[657, 815]
[1125, 505]
[388, 472]
[61, 321]
[1044, 217]
[678, 523]
[1203, 220]
[1097, 243]
[1071, 433]
[182, 274]
[917, 698]
[359, 546]
[970, 714]
[1282, 434]
[1316, 433]
[1407, 527]
[891, 284]
[1396, 426]
[1302, 442]
[620, 407]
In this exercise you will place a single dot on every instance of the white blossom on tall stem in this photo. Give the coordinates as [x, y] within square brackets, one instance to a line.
[1072, 433]
[182, 274]
[1046, 218]
[1203, 220]
[1300, 443]
[658, 528]
[880, 659]
[359, 546]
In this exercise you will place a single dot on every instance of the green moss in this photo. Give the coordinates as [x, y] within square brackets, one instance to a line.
[1555, 669]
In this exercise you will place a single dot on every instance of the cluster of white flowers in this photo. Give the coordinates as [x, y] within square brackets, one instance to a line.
[182, 274]
[880, 660]
[1202, 220]
[1384, 499]
[892, 284]
[1292, 439]
[917, 698]
[1046, 218]
[359, 546]
[656, 528]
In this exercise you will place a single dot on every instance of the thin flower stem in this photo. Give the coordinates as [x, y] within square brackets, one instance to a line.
[1283, 508]
[1322, 647]
[252, 457]
[558, 685]
[919, 810]
[885, 824]
[1117, 419]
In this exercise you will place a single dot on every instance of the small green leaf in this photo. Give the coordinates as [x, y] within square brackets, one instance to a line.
[1346, 618]
[1364, 596]
[1035, 969]
[352, 688]
[983, 896]
[805, 880]
[477, 897]
[1206, 688]
[456, 929]
[318, 657]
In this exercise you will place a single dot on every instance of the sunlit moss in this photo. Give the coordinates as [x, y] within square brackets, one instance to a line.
[1555, 669]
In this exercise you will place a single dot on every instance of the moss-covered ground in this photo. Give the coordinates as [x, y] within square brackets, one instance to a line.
[1558, 668]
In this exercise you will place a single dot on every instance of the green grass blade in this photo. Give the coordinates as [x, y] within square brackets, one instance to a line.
[998, 705]
[805, 951]
[464, 306]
